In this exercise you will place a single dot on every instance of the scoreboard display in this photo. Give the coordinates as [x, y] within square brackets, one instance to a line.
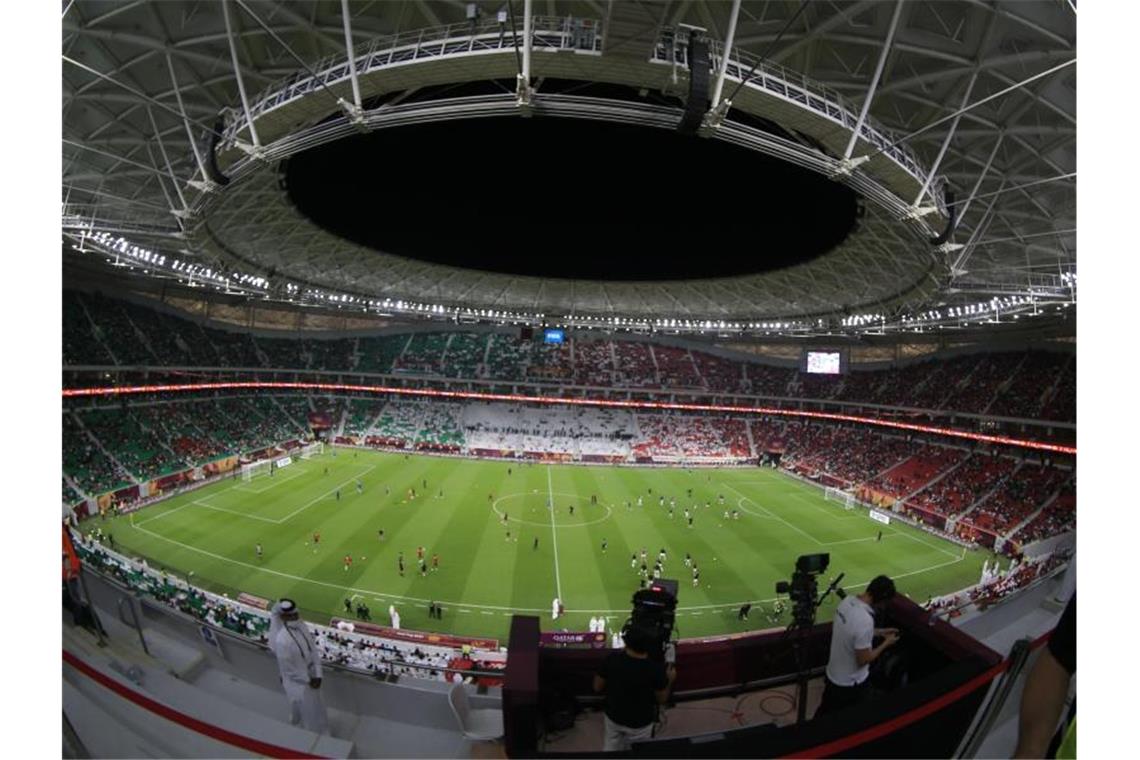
[823, 362]
[551, 335]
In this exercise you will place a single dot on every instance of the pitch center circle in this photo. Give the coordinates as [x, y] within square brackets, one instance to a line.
[542, 495]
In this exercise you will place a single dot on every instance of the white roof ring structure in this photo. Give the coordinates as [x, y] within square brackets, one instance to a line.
[145, 82]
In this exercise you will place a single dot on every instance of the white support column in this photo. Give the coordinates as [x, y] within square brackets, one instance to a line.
[348, 46]
[945, 143]
[874, 81]
[237, 75]
[528, 34]
[522, 86]
[205, 184]
[719, 86]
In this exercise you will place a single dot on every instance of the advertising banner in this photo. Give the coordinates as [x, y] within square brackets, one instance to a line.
[573, 640]
[418, 637]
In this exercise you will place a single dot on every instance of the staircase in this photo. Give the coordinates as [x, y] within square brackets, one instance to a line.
[103, 449]
[97, 333]
[1052, 498]
[656, 366]
[977, 503]
[343, 419]
[1005, 384]
[933, 481]
[286, 415]
[75, 486]
[751, 441]
[1052, 391]
[141, 337]
[261, 355]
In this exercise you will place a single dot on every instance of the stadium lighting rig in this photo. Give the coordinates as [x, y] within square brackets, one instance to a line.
[131, 390]
[118, 250]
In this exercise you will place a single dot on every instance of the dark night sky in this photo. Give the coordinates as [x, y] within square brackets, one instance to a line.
[565, 198]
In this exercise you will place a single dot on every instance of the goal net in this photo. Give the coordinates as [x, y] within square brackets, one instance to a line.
[249, 471]
[838, 494]
[312, 450]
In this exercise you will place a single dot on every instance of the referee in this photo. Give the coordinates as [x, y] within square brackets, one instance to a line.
[852, 632]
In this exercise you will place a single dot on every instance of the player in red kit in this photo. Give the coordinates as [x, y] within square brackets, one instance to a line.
[347, 561]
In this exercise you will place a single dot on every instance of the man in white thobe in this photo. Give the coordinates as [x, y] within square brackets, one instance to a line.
[299, 662]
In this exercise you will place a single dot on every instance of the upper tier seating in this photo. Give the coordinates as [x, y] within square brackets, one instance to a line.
[1034, 384]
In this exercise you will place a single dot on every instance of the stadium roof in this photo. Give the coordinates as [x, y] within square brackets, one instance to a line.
[142, 79]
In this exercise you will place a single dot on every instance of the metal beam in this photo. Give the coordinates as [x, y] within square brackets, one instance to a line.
[945, 143]
[982, 176]
[185, 121]
[237, 74]
[726, 53]
[166, 158]
[140, 95]
[974, 105]
[874, 80]
[528, 34]
[344, 14]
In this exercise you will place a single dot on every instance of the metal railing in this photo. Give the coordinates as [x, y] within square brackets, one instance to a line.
[774, 80]
[578, 35]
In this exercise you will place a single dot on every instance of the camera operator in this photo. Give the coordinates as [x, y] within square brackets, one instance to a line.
[634, 685]
[852, 633]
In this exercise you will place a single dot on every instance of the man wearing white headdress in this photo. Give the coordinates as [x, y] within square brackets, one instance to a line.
[299, 662]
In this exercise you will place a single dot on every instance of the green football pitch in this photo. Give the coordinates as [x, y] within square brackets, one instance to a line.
[465, 511]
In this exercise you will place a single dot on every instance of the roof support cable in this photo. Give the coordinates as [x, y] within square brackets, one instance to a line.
[189, 132]
[238, 77]
[982, 176]
[141, 95]
[170, 170]
[874, 83]
[933, 170]
[764, 56]
[1034, 183]
[341, 102]
[971, 107]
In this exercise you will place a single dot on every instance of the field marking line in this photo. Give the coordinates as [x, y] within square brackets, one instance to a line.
[276, 482]
[925, 543]
[302, 579]
[810, 501]
[462, 606]
[554, 533]
[334, 489]
[785, 522]
[164, 514]
[740, 503]
[201, 503]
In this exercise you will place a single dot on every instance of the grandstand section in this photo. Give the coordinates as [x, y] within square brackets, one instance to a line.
[1020, 384]
[448, 320]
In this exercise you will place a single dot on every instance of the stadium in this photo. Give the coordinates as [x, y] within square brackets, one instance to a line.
[476, 334]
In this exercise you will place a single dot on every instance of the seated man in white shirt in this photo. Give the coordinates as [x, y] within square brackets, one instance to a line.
[852, 633]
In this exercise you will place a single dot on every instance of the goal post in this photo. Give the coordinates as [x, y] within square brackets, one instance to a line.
[312, 450]
[839, 495]
[251, 470]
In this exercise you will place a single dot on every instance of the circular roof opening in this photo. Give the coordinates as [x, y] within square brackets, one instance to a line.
[566, 198]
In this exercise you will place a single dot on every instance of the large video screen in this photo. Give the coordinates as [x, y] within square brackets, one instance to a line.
[553, 336]
[823, 363]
